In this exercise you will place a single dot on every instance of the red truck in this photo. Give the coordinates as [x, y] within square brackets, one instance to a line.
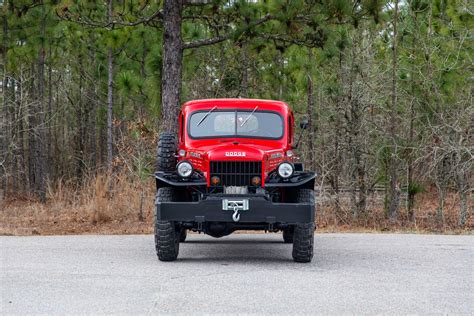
[232, 167]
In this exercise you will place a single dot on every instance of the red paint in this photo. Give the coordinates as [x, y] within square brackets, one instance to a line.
[255, 149]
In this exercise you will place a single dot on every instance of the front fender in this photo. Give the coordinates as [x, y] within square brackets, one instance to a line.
[171, 179]
[300, 179]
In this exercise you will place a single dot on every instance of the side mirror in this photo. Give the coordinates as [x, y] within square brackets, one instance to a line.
[304, 123]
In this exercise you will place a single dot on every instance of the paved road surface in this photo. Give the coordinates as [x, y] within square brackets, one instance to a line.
[351, 273]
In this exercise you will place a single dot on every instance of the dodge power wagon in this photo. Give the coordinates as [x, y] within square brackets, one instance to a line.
[232, 167]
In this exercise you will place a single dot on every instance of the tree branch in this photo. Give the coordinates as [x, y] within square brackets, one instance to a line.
[196, 2]
[111, 24]
[221, 38]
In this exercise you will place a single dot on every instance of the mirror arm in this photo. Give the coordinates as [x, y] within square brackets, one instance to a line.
[299, 138]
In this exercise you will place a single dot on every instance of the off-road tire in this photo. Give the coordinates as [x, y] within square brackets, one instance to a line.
[288, 235]
[183, 234]
[165, 158]
[167, 234]
[303, 237]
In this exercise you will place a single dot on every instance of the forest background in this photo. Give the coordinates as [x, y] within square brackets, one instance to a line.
[88, 85]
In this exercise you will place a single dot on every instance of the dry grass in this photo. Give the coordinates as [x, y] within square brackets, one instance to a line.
[124, 205]
[108, 205]
[426, 219]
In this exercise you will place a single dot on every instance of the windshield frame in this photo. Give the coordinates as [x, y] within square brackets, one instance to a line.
[235, 110]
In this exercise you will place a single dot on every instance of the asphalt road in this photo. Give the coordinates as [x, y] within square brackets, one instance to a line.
[351, 273]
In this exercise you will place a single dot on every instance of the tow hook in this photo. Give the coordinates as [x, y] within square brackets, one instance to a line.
[235, 206]
[236, 215]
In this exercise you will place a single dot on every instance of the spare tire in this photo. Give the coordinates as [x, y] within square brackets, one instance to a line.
[166, 159]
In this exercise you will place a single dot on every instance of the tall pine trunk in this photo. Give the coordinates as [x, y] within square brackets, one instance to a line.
[4, 114]
[49, 123]
[14, 137]
[20, 153]
[110, 97]
[411, 133]
[244, 86]
[463, 188]
[38, 122]
[172, 64]
[394, 192]
[337, 157]
[311, 123]
[80, 118]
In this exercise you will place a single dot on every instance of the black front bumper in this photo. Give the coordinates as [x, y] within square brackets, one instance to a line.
[261, 210]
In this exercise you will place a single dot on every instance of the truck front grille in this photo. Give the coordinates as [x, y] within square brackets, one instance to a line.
[236, 173]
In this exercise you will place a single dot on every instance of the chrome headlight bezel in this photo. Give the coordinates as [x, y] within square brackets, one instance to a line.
[184, 169]
[285, 166]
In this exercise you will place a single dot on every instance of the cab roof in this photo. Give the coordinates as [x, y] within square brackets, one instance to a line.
[278, 106]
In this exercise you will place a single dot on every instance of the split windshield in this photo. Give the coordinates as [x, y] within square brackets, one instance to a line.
[235, 123]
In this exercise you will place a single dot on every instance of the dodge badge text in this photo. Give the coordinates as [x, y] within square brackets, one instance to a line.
[234, 154]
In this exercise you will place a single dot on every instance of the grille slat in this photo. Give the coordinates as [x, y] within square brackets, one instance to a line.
[235, 173]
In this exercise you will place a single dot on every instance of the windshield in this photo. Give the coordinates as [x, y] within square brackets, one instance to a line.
[235, 123]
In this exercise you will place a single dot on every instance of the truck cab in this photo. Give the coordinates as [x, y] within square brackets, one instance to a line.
[232, 166]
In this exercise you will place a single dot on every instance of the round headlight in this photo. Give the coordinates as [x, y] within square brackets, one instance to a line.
[184, 168]
[285, 170]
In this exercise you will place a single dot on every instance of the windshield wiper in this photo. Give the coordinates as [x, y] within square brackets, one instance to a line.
[248, 117]
[205, 116]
